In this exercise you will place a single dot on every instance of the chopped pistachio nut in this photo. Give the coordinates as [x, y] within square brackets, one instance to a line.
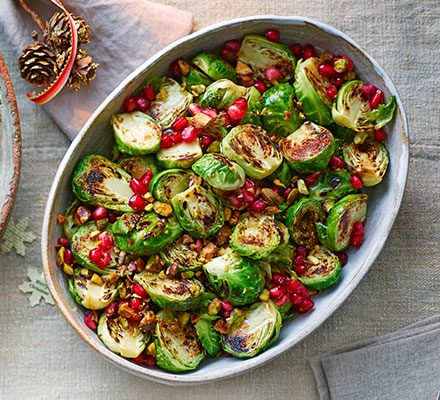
[96, 279]
[184, 318]
[125, 311]
[214, 147]
[278, 183]
[215, 306]
[163, 209]
[184, 66]
[243, 69]
[293, 196]
[162, 275]
[187, 274]
[68, 269]
[360, 137]
[149, 207]
[151, 349]
[302, 188]
[200, 120]
[228, 214]
[328, 205]
[264, 295]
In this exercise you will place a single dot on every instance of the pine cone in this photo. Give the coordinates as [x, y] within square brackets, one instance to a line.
[37, 63]
[57, 32]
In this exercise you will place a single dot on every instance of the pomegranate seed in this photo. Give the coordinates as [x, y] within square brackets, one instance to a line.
[142, 104]
[130, 104]
[146, 178]
[139, 359]
[107, 241]
[180, 124]
[112, 217]
[338, 82]
[380, 135]
[194, 108]
[357, 240]
[210, 112]
[283, 300]
[292, 286]
[226, 313]
[226, 305]
[139, 290]
[296, 299]
[337, 162]
[248, 197]
[298, 261]
[350, 64]
[135, 318]
[356, 182]
[206, 140]
[149, 361]
[258, 205]
[236, 113]
[137, 202]
[273, 74]
[342, 257]
[189, 134]
[273, 35]
[300, 269]
[64, 242]
[376, 99]
[260, 86]
[279, 279]
[368, 90]
[248, 184]
[311, 179]
[176, 137]
[233, 45]
[235, 201]
[175, 68]
[111, 308]
[301, 252]
[358, 228]
[286, 192]
[308, 51]
[276, 292]
[241, 103]
[134, 303]
[149, 92]
[137, 186]
[68, 257]
[91, 320]
[327, 71]
[99, 257]
[227, 54]
[166, 142]
[305, 305]
[331, 92]
[99, 213]
[297, 50]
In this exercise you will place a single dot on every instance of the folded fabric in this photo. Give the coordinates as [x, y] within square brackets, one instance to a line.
[124, 35]
[400, 365]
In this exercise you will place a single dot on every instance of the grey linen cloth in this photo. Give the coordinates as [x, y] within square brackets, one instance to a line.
[400, 365]
[124, 35]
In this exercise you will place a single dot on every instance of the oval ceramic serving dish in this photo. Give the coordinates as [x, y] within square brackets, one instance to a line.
[96, 136]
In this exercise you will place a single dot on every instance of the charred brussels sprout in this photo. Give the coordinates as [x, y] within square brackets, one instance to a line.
[182, 155]
[311, 92]
[182, 255]
[250, 146]
[235, 279]
[252, 115]
[260, 54]
[219, 171]
[177, 347]
[221, 94]
[309, 148]
[369, 160]
[176, 294]
[199, 211]
[332, 185]
[138, 166]
[214, 66]
[145, 234]
[323, 270]
[171, 101]
[254, 331]
[136, 133]
[98, 181]
[119, 337]
[352, 109]
[337, 231]
[301, 218]
[255, 236]
[165, 185]
[196, 81]
[69, 224]
[280, 115]
[209, 338]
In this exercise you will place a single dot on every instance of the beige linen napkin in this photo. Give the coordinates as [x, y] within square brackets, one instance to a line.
[125, 33]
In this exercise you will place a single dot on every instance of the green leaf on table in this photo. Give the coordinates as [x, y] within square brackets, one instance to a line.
[37, 287]
[15, 237]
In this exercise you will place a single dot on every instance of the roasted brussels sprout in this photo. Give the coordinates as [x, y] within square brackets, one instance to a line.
[221, 94]
[165, 185]
[332, 185]
[323, 270]
[176, 294]
[311, 92]
[195, 81]
[283, 173]
[182, 155]
[255, 236]
[280, 115]
[252, 115]
[138, 166]
[369, 160]
[199, 211]
[352, 109]
[260, 54]
[235, 279]
[145, 234]
[309, 148]
[282, 256]
[69, 224]
[98, 181]
[120, 337]
[214, 66]
[171, 101]
[301, 218]
[337, 231]
[91, 294]
[250, 146]
[219, 171]
[136, 133]
[182, 255]
[254, 331]
[177, 347]
[209, 338]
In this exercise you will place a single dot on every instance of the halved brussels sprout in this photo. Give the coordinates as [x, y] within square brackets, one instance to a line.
[181, 255]
[323, 270]
[85, 239]
[337, 231]
[182, 155]
[69, 225]
[98, 181]
[235, 279]
[165, 185]
[199, 211]
[120, 337]
[214, 66]
[195, 81]
[252, 115]
[283, 173]
[332, 185]
[282, 256]
[221, 94]
[92, 295]
[219, 171]
[136, 133]
[280, 115]
[311, 92]
[171, 101]
[177, 347]
[260, 54]
[369, 160]
[208, 336]
[255, 236]
[138, 166]
[145, 234]
[254, 331]
[309, 148]
[352, 109]
[176, 294]
[301, 218]
[251, 147]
